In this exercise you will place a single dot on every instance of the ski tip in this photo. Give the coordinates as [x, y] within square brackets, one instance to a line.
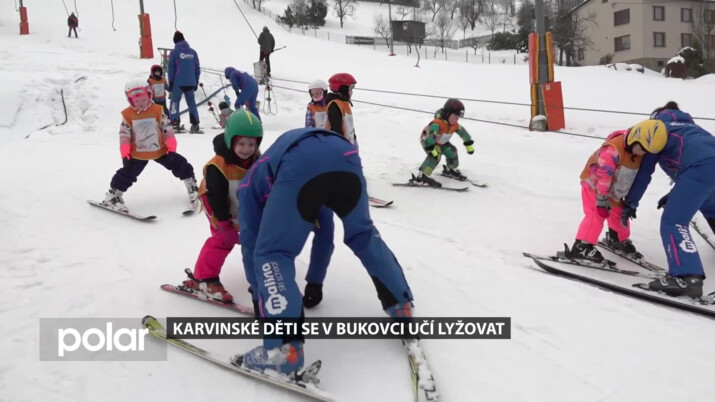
[148, 320]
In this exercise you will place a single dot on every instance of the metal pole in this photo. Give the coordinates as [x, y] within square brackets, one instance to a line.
[543, 65]
[141, 6]
[392, 36]
[21, 4]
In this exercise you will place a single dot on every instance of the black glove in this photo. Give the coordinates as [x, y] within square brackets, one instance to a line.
[196, 88]
[171, 87]
[662, 201]
[628, 212]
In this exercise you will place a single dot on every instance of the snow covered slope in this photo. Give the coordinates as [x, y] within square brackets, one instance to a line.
[461, 252]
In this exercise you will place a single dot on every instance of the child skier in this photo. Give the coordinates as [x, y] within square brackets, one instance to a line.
[317, 110]
[435, 142]
[340, 114]
[159, 86]
[146, 134]
[236, 150]
[605, 181]
[225, 112]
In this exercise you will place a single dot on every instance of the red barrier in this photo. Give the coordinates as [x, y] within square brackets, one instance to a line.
[24, 25]
[146, 47]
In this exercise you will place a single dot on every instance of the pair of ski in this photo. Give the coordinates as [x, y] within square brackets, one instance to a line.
[444, 173]
[305, 381]
[143, 218]
[704, 306]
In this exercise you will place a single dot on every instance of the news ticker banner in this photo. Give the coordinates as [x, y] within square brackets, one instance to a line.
[339, 328]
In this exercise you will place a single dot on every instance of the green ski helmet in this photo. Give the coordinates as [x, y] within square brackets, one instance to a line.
[242, 123]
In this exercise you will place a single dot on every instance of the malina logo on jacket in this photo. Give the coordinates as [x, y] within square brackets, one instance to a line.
[273, 281]
[183, 56]
[687, 245]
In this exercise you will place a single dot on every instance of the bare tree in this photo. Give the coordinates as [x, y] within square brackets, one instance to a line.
[463, 24]
[434, 7]
[569, 29]
[343, 9]
[403, 12]
[492, 15]
[703, 27]
[381, 27]
[444, 29]
[471, 10]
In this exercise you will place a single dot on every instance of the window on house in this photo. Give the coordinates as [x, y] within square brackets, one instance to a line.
[622, 43]
[604, 1]
[686, 39]
[658, 39]
[661, 63]
[581, 54]
[712, 41]
[686, 15]
[709, 14]
[658, 13]
[622, 17]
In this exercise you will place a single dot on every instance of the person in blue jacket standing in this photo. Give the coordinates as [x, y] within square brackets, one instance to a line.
[688, 158]
[246, 89]
[280, 199]
[184, 73]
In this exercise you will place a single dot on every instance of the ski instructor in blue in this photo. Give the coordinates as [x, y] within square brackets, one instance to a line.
[279, 201]
[688, 158]
[184, 73]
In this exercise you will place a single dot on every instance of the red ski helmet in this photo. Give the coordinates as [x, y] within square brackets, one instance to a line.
[156, 68]
[341, 79]
[452, 106]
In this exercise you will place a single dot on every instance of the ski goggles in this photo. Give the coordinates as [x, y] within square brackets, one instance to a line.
[138, 93]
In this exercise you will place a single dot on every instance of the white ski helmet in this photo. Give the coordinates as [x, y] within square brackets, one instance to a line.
[136, 88]
[318, 84]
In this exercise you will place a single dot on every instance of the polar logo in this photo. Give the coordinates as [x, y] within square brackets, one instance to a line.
[276, 304]
[687, 245]
[183, 56]
[108, 340]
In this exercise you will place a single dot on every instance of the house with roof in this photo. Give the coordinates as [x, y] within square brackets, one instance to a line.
[645, 32]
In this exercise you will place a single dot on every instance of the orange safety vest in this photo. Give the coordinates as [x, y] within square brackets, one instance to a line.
[347, 112]
[625, 172]
[234, 174]
[157, 87]
[445, 131]
[320, 114]
[147, 135]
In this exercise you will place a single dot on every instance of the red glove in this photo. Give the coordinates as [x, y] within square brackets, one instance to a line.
[125, 150]
[603, 206]
[229, 234]
[170, 144]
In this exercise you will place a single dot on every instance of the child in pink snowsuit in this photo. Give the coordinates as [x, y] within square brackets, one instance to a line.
[605, 181]
[236, 150]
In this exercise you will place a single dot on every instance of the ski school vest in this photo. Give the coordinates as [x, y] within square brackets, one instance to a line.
[234, 174]
[320, 114]
[147, 134]
[625, 172]
[347, 112]
[445, 131]
[157, 88]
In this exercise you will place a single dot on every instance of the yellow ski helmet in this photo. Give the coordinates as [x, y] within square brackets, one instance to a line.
[650, 134]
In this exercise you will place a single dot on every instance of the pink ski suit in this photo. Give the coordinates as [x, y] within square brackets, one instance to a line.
[610, 171]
